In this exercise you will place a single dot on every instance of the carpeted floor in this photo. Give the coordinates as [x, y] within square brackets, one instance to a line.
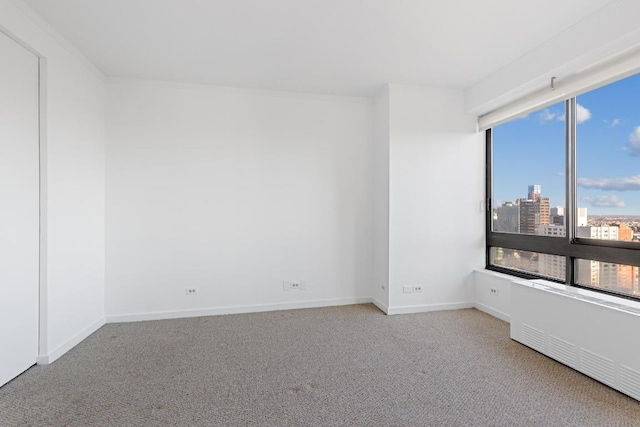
[337, 366]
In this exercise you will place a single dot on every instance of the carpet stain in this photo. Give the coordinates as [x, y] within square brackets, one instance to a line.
[301, 388]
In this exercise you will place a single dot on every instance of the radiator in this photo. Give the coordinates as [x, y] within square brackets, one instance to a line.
[594, 334]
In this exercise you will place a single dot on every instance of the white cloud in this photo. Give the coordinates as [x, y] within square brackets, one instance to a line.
[607, 201]
[612, 123]
[546, 115]
[634, 142]
[582, 114]
[627, 183]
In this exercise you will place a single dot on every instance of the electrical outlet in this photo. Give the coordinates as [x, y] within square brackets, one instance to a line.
[191, 291]
[408, 289]
[494, 291]
[295, 285]
[417, 288]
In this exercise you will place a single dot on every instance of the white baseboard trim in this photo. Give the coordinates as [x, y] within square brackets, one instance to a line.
[54, 355]
[492, 311]
[410, 309]
[159, 315]
[380, 305]
[81, 336]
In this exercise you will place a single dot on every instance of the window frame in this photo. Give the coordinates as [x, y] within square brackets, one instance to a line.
[570, 246]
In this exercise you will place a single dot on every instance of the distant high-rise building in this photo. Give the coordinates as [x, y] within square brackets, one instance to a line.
[602, 233]
[591, 273]
[553, 266]
[534, 192]
[544, 210]
[627, 279]
[605, 275]
[556, 215]
[529, 216]
[553, 230]
[600, 274]
[508, 218]
[534, 211]
[582, 219]
[624, 232]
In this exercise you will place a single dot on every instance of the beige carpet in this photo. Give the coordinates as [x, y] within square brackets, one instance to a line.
[338, 366]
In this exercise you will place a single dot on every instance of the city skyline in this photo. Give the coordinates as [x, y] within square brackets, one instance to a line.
[531, 150]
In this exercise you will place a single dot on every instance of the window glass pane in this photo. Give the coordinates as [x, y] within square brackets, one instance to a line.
[605, 275]
[608, 161]
[528, 174]
[546, 265]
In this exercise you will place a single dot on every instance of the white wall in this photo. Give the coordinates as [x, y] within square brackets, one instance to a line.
[497, 304]
[72, 255]
[233, 192]
[436, 236]
[380, 283]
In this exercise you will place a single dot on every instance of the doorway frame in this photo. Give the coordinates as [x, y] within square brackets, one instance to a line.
[43, 343]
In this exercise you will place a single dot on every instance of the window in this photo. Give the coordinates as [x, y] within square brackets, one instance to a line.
[608, 160]
[613, 277]
[529, 157]
[544, 265]
[564, 191]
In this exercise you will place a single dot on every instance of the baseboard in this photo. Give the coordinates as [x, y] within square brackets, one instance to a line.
[380, 305]
[69, 344]
[159, 315]
[81, 336]
[492, 311]
[409, 309]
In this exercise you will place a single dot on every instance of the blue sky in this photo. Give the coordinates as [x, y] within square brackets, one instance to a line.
[530, 150]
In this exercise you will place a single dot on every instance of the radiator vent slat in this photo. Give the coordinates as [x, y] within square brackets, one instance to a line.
[630, 382]
[534, 338]
[563, 351]
[597, 367]
[575, 327]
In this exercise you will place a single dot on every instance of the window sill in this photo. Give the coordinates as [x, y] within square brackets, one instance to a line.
[605, 300]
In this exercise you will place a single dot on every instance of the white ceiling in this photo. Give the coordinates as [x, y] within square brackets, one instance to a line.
[349, 47]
